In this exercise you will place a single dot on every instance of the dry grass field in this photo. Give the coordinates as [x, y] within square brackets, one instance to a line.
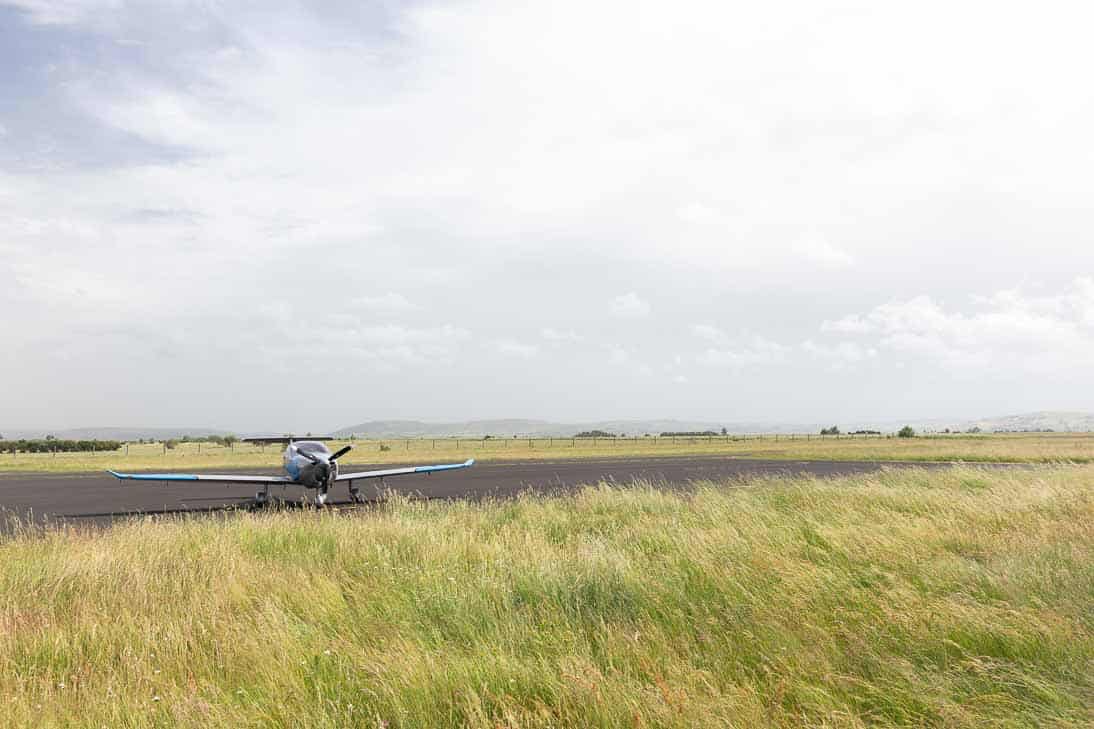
[956, 598]
[1024, 447]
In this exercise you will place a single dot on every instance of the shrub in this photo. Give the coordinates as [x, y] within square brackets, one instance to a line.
[906, 432]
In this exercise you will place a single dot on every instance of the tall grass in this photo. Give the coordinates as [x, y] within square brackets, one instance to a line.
[944, 598]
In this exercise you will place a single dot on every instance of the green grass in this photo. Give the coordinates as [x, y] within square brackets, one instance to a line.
[1024, 447]
[955, 598]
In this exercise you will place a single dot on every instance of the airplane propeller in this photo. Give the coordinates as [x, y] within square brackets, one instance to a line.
[326, 470]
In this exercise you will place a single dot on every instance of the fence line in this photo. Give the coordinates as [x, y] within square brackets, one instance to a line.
[482, 443]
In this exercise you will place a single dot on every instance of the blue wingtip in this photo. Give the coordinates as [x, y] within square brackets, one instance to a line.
[115, 474]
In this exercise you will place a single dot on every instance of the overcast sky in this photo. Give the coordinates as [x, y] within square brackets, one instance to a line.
[266, 215]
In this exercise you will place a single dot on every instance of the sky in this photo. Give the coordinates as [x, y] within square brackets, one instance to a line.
[274, 215]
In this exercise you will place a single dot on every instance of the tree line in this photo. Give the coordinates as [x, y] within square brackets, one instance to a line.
[53, 445]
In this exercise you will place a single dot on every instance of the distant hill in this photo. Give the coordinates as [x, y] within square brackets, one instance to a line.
[1059, 421]
[106, 433]
[421, 429]
[544, 428]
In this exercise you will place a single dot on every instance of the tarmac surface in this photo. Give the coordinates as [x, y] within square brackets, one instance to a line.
[99, 499]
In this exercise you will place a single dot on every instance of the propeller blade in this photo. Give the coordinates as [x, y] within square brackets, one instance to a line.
[307, 455]
[341, 452]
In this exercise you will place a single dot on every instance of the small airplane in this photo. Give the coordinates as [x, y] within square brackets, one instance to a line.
[308, 463]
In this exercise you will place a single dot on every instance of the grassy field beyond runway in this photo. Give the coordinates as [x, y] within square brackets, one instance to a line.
[958, 597]
[1019, 447]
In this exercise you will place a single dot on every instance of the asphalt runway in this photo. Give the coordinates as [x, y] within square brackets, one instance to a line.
[98, 498]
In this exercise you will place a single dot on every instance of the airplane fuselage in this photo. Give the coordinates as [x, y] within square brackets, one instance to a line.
[314, 470]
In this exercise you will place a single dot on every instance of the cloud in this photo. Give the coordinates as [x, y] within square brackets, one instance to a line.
[180, 164]
[622, 358]
[840, 355]
[816, 249]
[395, 333]
[521, 350]
[1009, 329]
[629, 306]
[754, 350]
[559, 335]
[708, 332]
[389, 302]
[60, 12]
[697, 213]
[850, 324]
[737, 352]
[619, 356]
[385, 346]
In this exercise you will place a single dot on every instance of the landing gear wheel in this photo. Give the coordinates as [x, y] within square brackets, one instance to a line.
[355, 495]
[321, 497]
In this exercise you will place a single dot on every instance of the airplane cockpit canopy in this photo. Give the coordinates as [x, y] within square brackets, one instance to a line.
[311, 446]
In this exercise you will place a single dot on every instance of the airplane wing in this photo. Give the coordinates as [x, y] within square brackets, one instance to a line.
[404, 471]
[237, 478]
